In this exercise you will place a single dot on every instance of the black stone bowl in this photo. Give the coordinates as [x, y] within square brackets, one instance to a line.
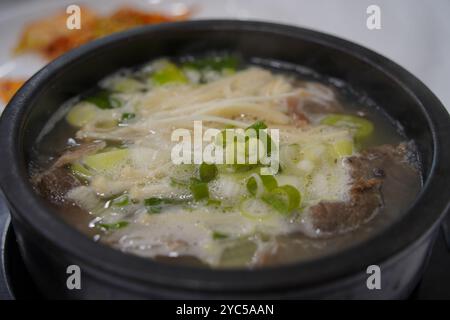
[49, 246]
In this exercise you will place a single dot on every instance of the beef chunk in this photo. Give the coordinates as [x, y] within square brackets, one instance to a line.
[381, 177]
[54, 183]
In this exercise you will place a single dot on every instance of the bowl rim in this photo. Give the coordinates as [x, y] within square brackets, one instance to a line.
[384, 246]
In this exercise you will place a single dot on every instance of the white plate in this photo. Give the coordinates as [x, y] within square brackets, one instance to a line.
[414, 33]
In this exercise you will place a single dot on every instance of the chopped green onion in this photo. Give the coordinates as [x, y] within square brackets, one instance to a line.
[127, 116]
[199, 189]
[121, 201]
[217, 63]
[216, 235]
[80, 170]
[104, 100]
[363, 127]
[154, 209]
[153, 201]
[169, 73]
[269, 182]
[258, 125]
[284, 199]
[153, 205]
[252, 186]
[207, 172]
[113, 226]
[214, 202]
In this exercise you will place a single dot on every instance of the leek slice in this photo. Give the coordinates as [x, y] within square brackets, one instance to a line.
[106, 160]
[81, 171]
[343, 147]
[361, 126]
[169, 73]
[239, 254]
[81, 114]
[127, 85]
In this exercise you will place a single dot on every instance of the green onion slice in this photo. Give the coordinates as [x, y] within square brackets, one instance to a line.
[207, 172]
[113, 226]
[257, 181]
[216, 235]
[199, 189]
[103, 99]
[283, 199]
[169, 73]
[363, 127]
[127, 116]
[155, 204]
[120, 201]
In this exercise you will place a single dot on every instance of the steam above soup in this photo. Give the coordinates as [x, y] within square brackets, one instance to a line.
[343, 171]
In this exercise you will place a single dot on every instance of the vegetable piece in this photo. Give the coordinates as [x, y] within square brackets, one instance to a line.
[214, 202]
[106, 160]
[216, 235]
[258, 125]
[343, 147]
[252, 186]
[81, 114]
[127, 85]
[239, 254]
[255, 209]
[268, 181]
[207, 172]
[155, 204]
[81, 171]
[121, 201]
[127, 116]
[106, 124]
[103, 99]
[113, 226]
[169, 73]
[284, 199]
[262, 135]
[217, 63]
[363, 127]
[290, 156]
[199, 189]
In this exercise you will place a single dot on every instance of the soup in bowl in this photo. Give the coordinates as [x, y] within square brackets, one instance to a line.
[296, 167]
[224, 159]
